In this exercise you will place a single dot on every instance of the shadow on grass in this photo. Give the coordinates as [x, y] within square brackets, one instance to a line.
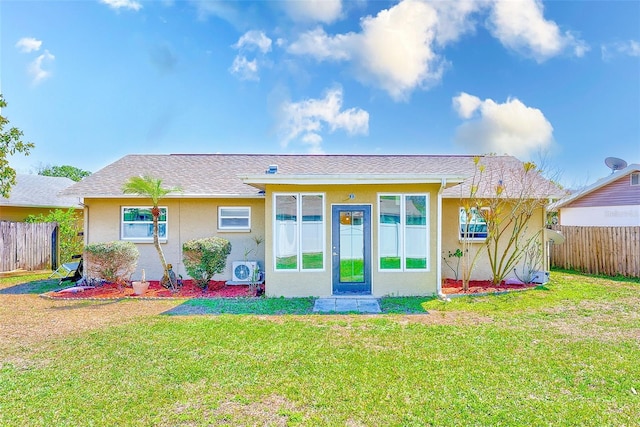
[35, 287]
[259, 306]
[283, 306]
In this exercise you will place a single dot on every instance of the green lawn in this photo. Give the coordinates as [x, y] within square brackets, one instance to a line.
[563, 354]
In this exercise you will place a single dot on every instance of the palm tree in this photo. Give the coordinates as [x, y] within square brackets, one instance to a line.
[150, 187]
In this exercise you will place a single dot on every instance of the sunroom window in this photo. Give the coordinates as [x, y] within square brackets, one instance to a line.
[299, 232]
[137, 224]
[403, 231]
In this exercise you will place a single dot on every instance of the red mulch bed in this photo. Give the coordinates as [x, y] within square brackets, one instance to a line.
[450, 286]
[216, 289]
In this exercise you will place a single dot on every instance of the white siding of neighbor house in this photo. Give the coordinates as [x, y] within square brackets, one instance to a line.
[601, 216]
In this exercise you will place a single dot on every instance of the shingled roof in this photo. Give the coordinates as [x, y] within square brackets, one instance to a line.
[40, 192]
[219, 175]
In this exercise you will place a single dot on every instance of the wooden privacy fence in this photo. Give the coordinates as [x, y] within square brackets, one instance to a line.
[598, 250]
[28, 246]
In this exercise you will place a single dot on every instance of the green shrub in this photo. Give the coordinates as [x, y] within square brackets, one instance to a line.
[205, 257]
[114, 262]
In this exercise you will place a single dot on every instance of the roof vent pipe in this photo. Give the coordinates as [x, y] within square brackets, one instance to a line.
[272, 169]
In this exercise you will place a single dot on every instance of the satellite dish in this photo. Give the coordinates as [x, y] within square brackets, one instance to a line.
[615, 164]
[555, 236]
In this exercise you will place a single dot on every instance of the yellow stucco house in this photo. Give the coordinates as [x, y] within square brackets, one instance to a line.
[35, 195]
[330, 224]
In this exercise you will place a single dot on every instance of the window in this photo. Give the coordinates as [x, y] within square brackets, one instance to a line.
[137, 224]
[476, 229]
[299, 232]
[403, 235]
[234, 218]
[635, 178]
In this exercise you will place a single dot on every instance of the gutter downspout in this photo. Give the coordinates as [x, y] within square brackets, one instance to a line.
[443, 185]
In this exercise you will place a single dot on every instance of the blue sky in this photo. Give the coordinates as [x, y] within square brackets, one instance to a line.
[555, 82]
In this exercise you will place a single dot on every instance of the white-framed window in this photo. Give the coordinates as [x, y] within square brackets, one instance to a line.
[299, 231]
[473, 225]
[635, 178]
[137, 224]
[403, 232]
[234, 218]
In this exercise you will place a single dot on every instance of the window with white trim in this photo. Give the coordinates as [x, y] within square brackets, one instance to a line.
[234, 218]
[635, 178]
[137, 224]
[403, 232]
[299, 231]
[473, 225]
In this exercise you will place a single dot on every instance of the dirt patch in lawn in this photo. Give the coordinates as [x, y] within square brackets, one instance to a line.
[27, 321]
[599, 320]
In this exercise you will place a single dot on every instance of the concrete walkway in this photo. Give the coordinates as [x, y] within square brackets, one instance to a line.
[358, 305]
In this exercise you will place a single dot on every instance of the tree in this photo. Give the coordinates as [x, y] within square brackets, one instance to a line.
[506, 199]
[10, 144]
[65, 171]
[514, 203]
[152, 188]
[69, 228]
[470, 208]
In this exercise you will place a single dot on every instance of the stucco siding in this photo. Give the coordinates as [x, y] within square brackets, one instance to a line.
[319, 283]
[482, 269]
[186, 219]
[601, 216]
[19, 214]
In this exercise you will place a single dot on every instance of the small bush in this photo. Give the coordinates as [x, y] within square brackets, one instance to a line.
[114, 262]
[205, 257]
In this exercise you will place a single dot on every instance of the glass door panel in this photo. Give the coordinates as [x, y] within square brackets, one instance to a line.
[351, 243]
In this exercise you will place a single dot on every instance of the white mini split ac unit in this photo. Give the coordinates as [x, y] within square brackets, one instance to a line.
[243, 271]
[541, 277]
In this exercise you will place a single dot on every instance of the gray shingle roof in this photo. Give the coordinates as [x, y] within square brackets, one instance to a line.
[40, 191]
[218, 174]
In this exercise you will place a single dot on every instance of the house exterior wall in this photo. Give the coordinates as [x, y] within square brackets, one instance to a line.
[617, 193]
[482, 270]
[186, 219]
[19, 213]
[601, 216]
[319, 283]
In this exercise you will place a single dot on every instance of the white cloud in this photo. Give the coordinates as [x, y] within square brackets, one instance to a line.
[466, 104]
[245, 69]
[521, 26]
[36, 68]
[254, 39]
[123, 4]
[630, 48]
[318, 44]
[511, 127]
[28, 44]
[307, 119]
[326, 11]
[242, 67]
[394, 51]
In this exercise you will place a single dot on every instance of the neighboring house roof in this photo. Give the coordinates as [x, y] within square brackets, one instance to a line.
[243, 175]
[37, 191]
[615, 176]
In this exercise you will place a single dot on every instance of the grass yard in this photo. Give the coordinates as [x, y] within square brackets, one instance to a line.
[563, 354]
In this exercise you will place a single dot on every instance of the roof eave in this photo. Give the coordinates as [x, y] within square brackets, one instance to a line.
[179, 196]
[262, 180]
